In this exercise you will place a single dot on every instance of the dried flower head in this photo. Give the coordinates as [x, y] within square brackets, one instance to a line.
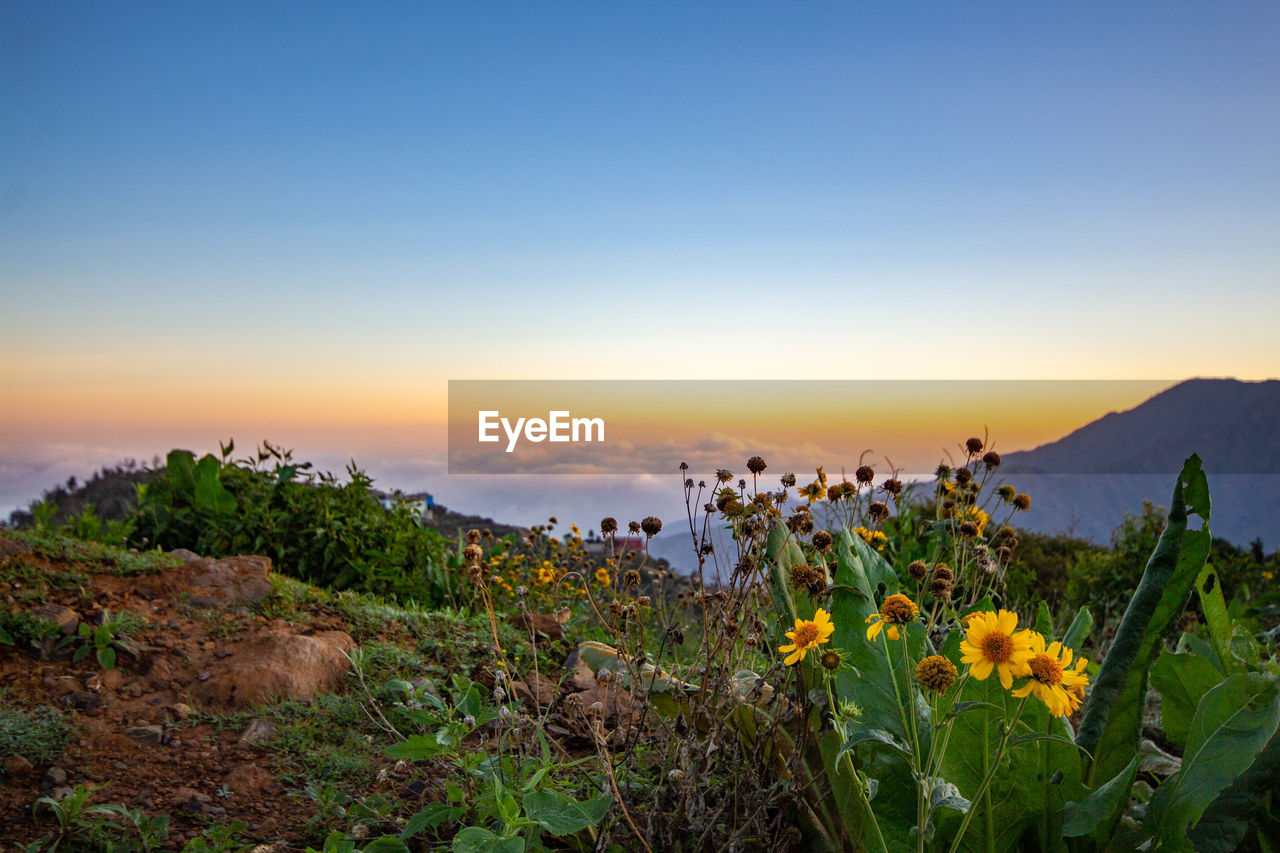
[563, 615]
[864, 475]
[968, 529]
[963, 476]
[652, 526]
[473, 553]
[936, 673]
[633, 526]
[1006, 492]
[831, 660]
[973, 446]
[943, 473]
[473, 536]
[724, 475]
[878, 511]
[608, 525]
[631, 578]
[756, 465]
[941, 589]
[942, 570]
[917, 569]
[821, 540]
[788, 480]
[991, 459]
[892, 486]
[1022, 502]
[644, 601]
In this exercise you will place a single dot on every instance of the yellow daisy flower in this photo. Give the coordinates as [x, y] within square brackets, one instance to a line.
[992, 641]
[808, 634]
[602, 575]
[896, 610]
[815, 491]
[1054, 681]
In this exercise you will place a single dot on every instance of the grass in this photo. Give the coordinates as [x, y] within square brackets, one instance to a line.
[31, 582]
[38, 735]
[83, 554]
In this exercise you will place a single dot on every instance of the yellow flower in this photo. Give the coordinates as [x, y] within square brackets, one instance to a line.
[1054, 681]
[602, 576]
[1266, 576]
[808, 634]
[896, 610]
[875, 538]
[978, 516]
[992, 642]
[815, 491]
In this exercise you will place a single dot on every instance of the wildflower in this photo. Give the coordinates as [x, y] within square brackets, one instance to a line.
[1022, 502]
[896, 610]
[651, 526]
[821, 540]
[788, 480]
[968, 529]
[963, 476]
[942, 570]
[831, 660]
[992, 641]
[974, 446]
[936, 673]
[631, 578]
[808, 634]
[943, 473]
[815, 491]
[756, 465]
[1006, 492]
[473, 553]
[724, 475]
[1053, 680]
[917, 569]
[892, 486]
[875, 538]
[941, 588]
[975, 516]
[608, 525]
[991, 459]
[878, 511]
[864, 475]
[602, 576]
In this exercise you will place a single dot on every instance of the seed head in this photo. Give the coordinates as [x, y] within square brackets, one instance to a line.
[473, 553]
[756, 465]
[821, 540]
[473, 536]
[724, 475]
[651, 526]
[969, 529]
[942, 570]
[917, 569]
[631, 578]
[831, 660]
[963, 476]
[936, 673]
[941, 588]
[892, 486]
[974, 446]
[991, 459]
[788, 480]
[864, 475]
[644, 601]
[1022, 502]
[633, 526]
[878, 511]
[608, 525]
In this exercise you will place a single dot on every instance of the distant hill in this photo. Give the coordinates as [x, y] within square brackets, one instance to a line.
[1084, 482]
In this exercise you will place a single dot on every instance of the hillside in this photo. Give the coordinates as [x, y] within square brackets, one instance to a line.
[1084, 482]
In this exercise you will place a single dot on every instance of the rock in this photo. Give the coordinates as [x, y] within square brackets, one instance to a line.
[65, 618]
[278, 665]
[543, 625]
[249, 781]
[155, 735]
[181, 711]
[258, 732]
[83, 700]
[184, 555]
[112, 678]
[54, 777]
[535, 688]
[188, 795]
[18, 765]
[12, 547]
[133, 689]
[232, 580]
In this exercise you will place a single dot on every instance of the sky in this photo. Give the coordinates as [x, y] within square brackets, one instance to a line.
[298, 221]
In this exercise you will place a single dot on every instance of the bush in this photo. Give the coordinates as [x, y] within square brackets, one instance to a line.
[312, 526]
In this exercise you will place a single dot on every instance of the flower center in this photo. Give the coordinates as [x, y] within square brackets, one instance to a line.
[805, 635]
[898, 609]
[997, 647]
[1046, 670]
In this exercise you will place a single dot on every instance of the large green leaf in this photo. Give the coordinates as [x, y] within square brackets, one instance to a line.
[1111, 729]
[1243, 805]
[560, 814]
[1182, 679]
[477, 839]
[1096, 814]
[1232, 724]
[1214, 606]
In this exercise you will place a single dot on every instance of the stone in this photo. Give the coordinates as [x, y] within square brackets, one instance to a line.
[54, 777]
[67, 620]
[543, 625]
[112, 678]
[258, 732]
[276, 665]
[249, 781]
[535, 688]
[155, 735]
[83, 700]
[181, 711]
[229, 581]
[18, 765]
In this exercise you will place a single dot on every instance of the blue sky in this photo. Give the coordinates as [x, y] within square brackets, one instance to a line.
[213, 208]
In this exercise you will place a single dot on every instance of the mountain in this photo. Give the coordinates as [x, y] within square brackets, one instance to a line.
[1084, 482]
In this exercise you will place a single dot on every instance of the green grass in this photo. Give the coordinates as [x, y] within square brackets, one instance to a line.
[31, 582]
[59, 548]
[38, 735]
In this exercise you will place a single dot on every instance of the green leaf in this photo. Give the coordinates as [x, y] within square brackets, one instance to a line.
[1214, 606]
[1182, 679]
[416, 748]
[477, 839]
[562, 815]
[1232, 724]
[1246, 804]
[385, 844]
[1096, 815]
[1112, 725]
